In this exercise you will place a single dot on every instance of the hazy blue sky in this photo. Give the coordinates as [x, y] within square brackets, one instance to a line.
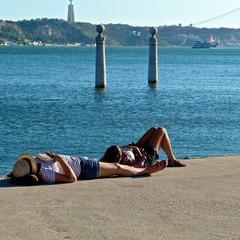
[134, 12]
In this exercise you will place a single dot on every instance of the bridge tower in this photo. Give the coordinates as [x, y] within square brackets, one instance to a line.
[71, 17]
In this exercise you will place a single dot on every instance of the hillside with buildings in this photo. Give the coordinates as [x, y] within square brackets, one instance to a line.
[60, 32]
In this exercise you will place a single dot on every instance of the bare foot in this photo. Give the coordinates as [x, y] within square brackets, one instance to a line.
[175, 163]
[159, 166]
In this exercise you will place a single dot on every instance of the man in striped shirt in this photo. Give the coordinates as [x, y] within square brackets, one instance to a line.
[68, 169]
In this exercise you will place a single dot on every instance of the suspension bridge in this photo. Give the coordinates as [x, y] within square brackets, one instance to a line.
[229, 19]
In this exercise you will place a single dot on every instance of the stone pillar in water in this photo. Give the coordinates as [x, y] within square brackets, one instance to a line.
[153, 57]
[100, 77]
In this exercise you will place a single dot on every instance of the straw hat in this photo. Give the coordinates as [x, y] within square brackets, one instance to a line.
[25, 165]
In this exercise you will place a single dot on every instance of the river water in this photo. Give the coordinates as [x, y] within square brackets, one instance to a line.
[48, 100]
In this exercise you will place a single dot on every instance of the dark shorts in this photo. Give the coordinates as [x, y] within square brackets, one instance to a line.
[152, 154]
[90, 169]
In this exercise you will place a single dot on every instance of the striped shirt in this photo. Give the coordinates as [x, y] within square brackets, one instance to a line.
[50, 168]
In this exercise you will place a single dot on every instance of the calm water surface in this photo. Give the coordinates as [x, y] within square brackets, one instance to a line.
[48, 101]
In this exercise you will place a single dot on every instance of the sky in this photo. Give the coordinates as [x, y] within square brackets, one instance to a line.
[133, 12]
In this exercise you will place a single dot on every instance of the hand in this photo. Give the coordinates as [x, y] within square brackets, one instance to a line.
[136, 151]
[142, 150]
[143, 157]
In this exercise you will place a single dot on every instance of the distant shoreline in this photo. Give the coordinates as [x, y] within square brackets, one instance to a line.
[58, 31]
[113, 46]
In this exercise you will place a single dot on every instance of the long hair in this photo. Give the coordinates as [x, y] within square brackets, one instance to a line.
[112, 154]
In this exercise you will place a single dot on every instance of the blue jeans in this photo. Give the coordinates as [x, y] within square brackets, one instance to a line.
[90, 169]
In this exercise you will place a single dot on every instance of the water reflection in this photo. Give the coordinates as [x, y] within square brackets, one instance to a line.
[100, 94]
[153, 86]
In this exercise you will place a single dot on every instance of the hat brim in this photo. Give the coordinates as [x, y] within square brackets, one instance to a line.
[25, 165]
[26, 156]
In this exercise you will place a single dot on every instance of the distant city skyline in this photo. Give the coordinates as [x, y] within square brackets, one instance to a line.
[133, 12]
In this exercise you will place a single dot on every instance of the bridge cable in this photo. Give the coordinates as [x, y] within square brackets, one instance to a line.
[217, 17]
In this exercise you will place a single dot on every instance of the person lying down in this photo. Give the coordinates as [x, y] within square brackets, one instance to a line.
[50, 168]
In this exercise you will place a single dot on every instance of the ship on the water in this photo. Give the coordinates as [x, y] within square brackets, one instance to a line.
[211, 43]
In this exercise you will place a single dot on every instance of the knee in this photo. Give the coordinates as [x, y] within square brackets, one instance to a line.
[162, 130]
[118, 168]
[152, 129]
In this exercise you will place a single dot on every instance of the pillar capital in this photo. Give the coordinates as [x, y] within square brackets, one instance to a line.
[100, 29]
[153, 31]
